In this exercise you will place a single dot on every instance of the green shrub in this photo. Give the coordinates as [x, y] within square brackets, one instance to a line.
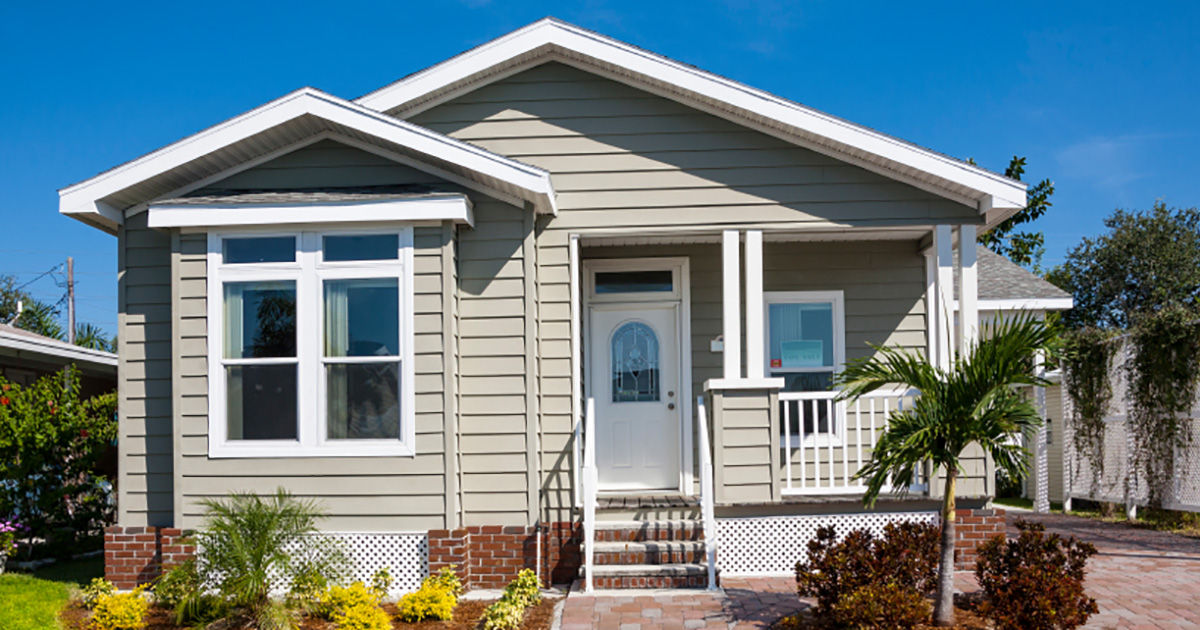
[504, 614]
[361, 617]
[906, 555]
[250, 538]
[381, 582]
[306, 591]
[95, 590]
[1035, 581]
[338, 599]
[447, 579]
[51, 441]
[428, 602]
[176, 585]
[121, 611]
[882, 606]
[525, 589]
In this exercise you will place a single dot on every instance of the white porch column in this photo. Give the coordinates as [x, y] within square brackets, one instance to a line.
[968, 289]
[943, 251]
[1041, 455]
[731, 312]
[755, 343]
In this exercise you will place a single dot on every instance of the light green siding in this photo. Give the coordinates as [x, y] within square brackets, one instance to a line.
[144, 369]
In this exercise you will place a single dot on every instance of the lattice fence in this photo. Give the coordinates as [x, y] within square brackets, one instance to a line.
[772, 545]
[406, 557]
[1117, 479]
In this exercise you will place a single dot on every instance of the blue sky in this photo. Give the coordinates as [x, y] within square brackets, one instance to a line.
[1101, 97]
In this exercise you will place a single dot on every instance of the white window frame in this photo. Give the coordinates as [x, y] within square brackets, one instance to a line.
[838, 299]
[309, 271]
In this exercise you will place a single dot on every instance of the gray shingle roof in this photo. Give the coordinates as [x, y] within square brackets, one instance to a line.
[308, 195]
[1002, 279]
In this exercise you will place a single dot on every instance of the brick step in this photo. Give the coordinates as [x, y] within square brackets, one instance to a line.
[650, 576]
[646, 531]
[653, 552]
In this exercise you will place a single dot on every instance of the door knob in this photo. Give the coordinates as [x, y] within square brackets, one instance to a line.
[670, 405]
[671, 394]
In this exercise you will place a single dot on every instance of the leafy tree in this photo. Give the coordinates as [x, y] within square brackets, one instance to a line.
[90, 336]
[1146, 262]
[50, 443]
[1024, 248]
[974, 401]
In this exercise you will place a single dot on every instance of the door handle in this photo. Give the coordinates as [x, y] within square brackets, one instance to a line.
[670, 405]
[670, 394]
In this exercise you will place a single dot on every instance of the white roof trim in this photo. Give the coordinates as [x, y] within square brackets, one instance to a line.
[453, 208]
[1030, 304]
[53, 347]
[84, 200]
[993, 191]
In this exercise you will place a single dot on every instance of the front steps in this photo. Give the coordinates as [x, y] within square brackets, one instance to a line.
[648, 554]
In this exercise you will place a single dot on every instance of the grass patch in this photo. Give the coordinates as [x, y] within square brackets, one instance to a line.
[29, 603]
[1016, 502]
[33, 601]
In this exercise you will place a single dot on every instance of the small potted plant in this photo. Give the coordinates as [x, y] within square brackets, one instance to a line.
[8, 541]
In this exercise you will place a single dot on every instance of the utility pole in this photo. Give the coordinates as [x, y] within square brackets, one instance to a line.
[70, 300]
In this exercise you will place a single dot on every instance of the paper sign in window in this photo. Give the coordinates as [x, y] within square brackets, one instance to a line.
[803, 353]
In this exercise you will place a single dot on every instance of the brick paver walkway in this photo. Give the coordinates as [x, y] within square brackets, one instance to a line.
[1142, 580]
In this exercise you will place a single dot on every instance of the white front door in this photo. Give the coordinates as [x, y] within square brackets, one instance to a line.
[634, 379]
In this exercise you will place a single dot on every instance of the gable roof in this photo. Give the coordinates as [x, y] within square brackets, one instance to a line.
[23, 341]
[553, 40]
[281, 126]
[1005, 285]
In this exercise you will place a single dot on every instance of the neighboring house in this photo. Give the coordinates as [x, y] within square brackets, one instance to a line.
[404, 305]
[1006, 289]
[26, 357]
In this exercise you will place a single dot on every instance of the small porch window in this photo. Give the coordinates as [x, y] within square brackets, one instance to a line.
[806, 347]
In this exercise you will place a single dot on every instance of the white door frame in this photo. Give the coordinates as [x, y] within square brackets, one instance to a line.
[682, 297]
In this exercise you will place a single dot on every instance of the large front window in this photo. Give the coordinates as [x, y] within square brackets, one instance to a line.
[312, 335]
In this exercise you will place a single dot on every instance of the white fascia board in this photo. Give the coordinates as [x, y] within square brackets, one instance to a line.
[83, 197]
[1031, 304]
[457, 209]
[995, 191]
[57, 349]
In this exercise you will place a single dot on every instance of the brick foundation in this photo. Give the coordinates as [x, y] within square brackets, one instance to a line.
[490, 556]
[138, 555]
[971, 528]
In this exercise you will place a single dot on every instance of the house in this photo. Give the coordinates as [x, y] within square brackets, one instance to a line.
[26, 357]
[547, 303]
[1006, 289]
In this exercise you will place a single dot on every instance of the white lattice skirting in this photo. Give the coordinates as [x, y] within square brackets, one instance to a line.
[405, 555]
[772, 545]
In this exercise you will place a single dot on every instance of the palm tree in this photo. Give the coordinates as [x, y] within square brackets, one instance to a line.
[976, 400]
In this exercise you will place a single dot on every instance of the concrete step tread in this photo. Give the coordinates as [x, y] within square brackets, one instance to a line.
[648, 570]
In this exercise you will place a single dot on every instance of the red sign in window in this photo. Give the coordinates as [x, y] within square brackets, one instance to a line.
[776, 363]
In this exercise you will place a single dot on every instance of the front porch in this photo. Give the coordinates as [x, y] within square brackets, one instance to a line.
[762, 323]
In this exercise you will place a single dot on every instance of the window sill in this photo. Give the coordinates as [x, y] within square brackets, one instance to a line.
[276, 450]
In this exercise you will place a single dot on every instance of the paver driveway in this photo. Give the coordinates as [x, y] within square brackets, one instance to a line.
[1141, 580]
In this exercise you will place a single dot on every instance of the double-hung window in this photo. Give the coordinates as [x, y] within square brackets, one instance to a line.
[310, 344]
[806, 345]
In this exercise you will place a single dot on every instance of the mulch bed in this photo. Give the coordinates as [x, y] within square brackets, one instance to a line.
[466, 617]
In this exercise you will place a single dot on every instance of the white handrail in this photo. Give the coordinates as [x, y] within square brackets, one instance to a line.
[589, 481]
[577, 453]
[707, 507]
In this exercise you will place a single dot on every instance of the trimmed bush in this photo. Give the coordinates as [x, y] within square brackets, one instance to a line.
[121, 611]
[447, 579]
[882, 607]
[525, 589]
[906, 556]
[361, 617]
[1035, 581]
[97, 589]
[339, 599]
[505, 614]
[428, 602]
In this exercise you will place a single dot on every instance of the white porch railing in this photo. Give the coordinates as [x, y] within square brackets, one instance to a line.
[707, 498]
[825, 442]
[589, 480]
